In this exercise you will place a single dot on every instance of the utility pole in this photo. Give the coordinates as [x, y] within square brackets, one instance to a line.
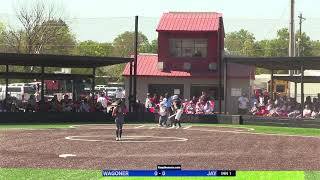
[291, 29]
[300, 48]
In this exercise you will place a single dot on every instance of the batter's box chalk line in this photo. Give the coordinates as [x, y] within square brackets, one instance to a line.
[127, 139]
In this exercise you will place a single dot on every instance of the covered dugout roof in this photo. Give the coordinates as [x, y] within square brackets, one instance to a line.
[47, 76]
[278, 63]
[297, 79]
[59, 60]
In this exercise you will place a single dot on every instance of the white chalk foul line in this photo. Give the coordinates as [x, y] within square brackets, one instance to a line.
[187, 127]
[137, 127]
[130, 138]
[67, 155]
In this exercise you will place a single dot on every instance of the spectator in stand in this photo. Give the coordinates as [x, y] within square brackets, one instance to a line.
[65, 99]
[253, 101]
[2, 107]
[148, 103]
[261, 99]
[160, 99]
[99, 107]
[103, 100]
[243, 104]
[266, 96]
[308, 101]
[270, 105]
[155, 100]
[307, 111]
[272, 111]
[185, 102]
[54, 105]
[208, 108]
[92, 105]
[277, 101]
[296, 111]
[37, 95]
[68, 107]
[190, 108]
[315, 113]
[76, 105]
[194, 100]
[200, 106]
[31, 105]
[64, 103]
[315, 103]
[291, 105]
[284, 110]
[255, 109]
[84, 107]
[204, 96]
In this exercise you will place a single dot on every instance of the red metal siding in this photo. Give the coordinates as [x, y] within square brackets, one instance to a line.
[198, 64]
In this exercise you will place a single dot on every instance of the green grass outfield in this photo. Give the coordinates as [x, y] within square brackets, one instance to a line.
[257, 129]
[63, 174]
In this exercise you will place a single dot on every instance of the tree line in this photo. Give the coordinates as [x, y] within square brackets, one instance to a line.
[244, 43]
[43, 30]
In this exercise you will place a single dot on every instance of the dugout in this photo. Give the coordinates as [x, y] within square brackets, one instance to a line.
[44, 61]
[280, 63]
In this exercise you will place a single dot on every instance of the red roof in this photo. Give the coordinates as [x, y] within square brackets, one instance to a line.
[189, 21]
[147, 66]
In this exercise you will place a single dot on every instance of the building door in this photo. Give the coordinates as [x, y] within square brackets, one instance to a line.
[161, 89]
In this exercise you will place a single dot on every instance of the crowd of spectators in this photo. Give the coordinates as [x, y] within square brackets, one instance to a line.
[261, 104]
[99, 103]
[197, 105]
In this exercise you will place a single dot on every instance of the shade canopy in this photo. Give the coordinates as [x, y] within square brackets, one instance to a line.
[297, 79]
[278, 63]
[59, 60]
[46, 76]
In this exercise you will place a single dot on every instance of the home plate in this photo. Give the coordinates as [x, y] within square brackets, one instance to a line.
[66, 155]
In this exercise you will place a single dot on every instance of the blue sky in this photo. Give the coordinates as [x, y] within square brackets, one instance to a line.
[102, 20]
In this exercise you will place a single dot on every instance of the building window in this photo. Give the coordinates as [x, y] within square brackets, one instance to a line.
[188, 47]
[211, 90]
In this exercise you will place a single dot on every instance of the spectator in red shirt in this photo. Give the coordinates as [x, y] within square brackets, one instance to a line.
[155, 100]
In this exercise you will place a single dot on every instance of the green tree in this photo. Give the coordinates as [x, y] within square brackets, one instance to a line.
[2, 31]
[63, 42]
[154, 46]
[2, 47]
[124, 47]
[240, 43]
[304, 44]
[93, 48]
[124, 44]
[315, 48]
[114, 71]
